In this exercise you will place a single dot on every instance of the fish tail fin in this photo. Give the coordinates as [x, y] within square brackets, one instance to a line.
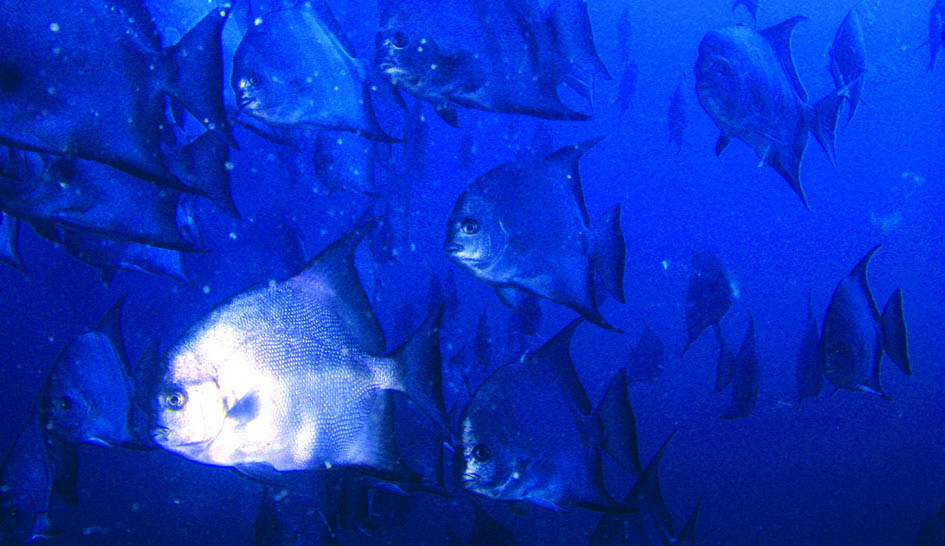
[202, 164]
[418, 360]
[894, 333]
[853, 96]
[155, 261]
[824, 121]
[618, 425]
[570, 18]
[197, 74]
[610, 252]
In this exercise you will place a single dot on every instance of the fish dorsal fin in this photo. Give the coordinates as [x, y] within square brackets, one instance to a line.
[554, 357]
[859, 276]
[320, 9]
[779, 36]
[110, 325]
[618, 425]
[646, 491]
[566, 159]
[333, 271]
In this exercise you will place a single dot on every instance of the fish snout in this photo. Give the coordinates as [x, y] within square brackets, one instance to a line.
[470, 478]
[159, 434]
[451, 247]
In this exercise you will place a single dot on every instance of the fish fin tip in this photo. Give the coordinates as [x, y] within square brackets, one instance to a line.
[610, 252]
[419, 362]
[779, 36]
[895, 341]
[619, 431]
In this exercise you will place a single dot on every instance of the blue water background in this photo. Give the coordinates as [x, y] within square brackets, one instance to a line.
[843, 469]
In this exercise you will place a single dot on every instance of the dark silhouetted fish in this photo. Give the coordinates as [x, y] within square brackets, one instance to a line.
[750, 5]
[848, 59]
[87, 397]
[747, 377]
[546, 451]
[450, 295]
[746, 82]
[9, 251]
[345, 162]
[109, 255]
[291, 376]
[27, 480]
[96, 199]
[624, 35]
[936, 30]
[296, 69]
[725, 370]
[855, 335]
[492, 233]
[709, 295]
[647, 359]
[652, 525]
[932, 532]
[676, 117]
[55, 70]
[483, 343]
[492, 55]
[628, 86]
[810, 361]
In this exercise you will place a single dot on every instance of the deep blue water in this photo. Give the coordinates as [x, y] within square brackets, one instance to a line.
[846, 468]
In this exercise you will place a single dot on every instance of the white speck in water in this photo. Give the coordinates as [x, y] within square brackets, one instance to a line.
[54, 27]
[206, 289]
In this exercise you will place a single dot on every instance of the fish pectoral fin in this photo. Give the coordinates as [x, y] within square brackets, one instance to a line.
[246, 408]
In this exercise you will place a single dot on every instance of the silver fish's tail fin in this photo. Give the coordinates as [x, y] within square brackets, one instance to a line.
[195, 77]
[619, 426]
[418, 364]
[855, 90]
[202, 164]
[610, 252]
[894, 333]
[823, 120]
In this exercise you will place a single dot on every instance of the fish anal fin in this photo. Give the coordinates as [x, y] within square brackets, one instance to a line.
[721, 144]
[779, 36]
[447, 113]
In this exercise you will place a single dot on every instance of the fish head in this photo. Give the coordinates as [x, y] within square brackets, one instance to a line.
[720, 71]
[266, 88]
[188, 409]
[845, 355]
[405, 56]
[475, 236]
[87, 396]
[488, 461]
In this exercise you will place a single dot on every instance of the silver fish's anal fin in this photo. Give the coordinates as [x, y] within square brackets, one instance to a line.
[333, 276]
[418, 364]
[618, 425]
[895, 341]
[447, 113]
[610, 252]
[790, 172]
[779, 36]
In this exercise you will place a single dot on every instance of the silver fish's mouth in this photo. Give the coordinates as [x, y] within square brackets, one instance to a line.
[386, 65]
[159, 434]
[470, 477]
[452, 248]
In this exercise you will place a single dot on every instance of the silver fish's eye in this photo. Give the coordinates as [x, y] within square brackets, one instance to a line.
[399, 40]
[63, 403]
[252, 80]
[481, 453]
[176, 400]
[469, 226]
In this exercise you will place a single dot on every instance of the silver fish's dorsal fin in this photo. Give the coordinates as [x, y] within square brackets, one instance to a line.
[779, 36]
[858, 274]
[567, 159]
[110, 325]
[320, 9]
[554, 358]
[334, 269]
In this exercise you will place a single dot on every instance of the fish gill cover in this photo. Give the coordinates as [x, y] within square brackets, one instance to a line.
[353, 272]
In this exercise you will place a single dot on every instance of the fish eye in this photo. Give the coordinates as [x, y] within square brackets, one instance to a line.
[253, 80]
[63, 403]
[176, 400]
[469, 226]
[399, 39]
[482, 453]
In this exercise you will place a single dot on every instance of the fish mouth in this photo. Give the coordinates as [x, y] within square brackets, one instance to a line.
[452, 248]
[244, 101]
[470, 478]
[161, 436]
